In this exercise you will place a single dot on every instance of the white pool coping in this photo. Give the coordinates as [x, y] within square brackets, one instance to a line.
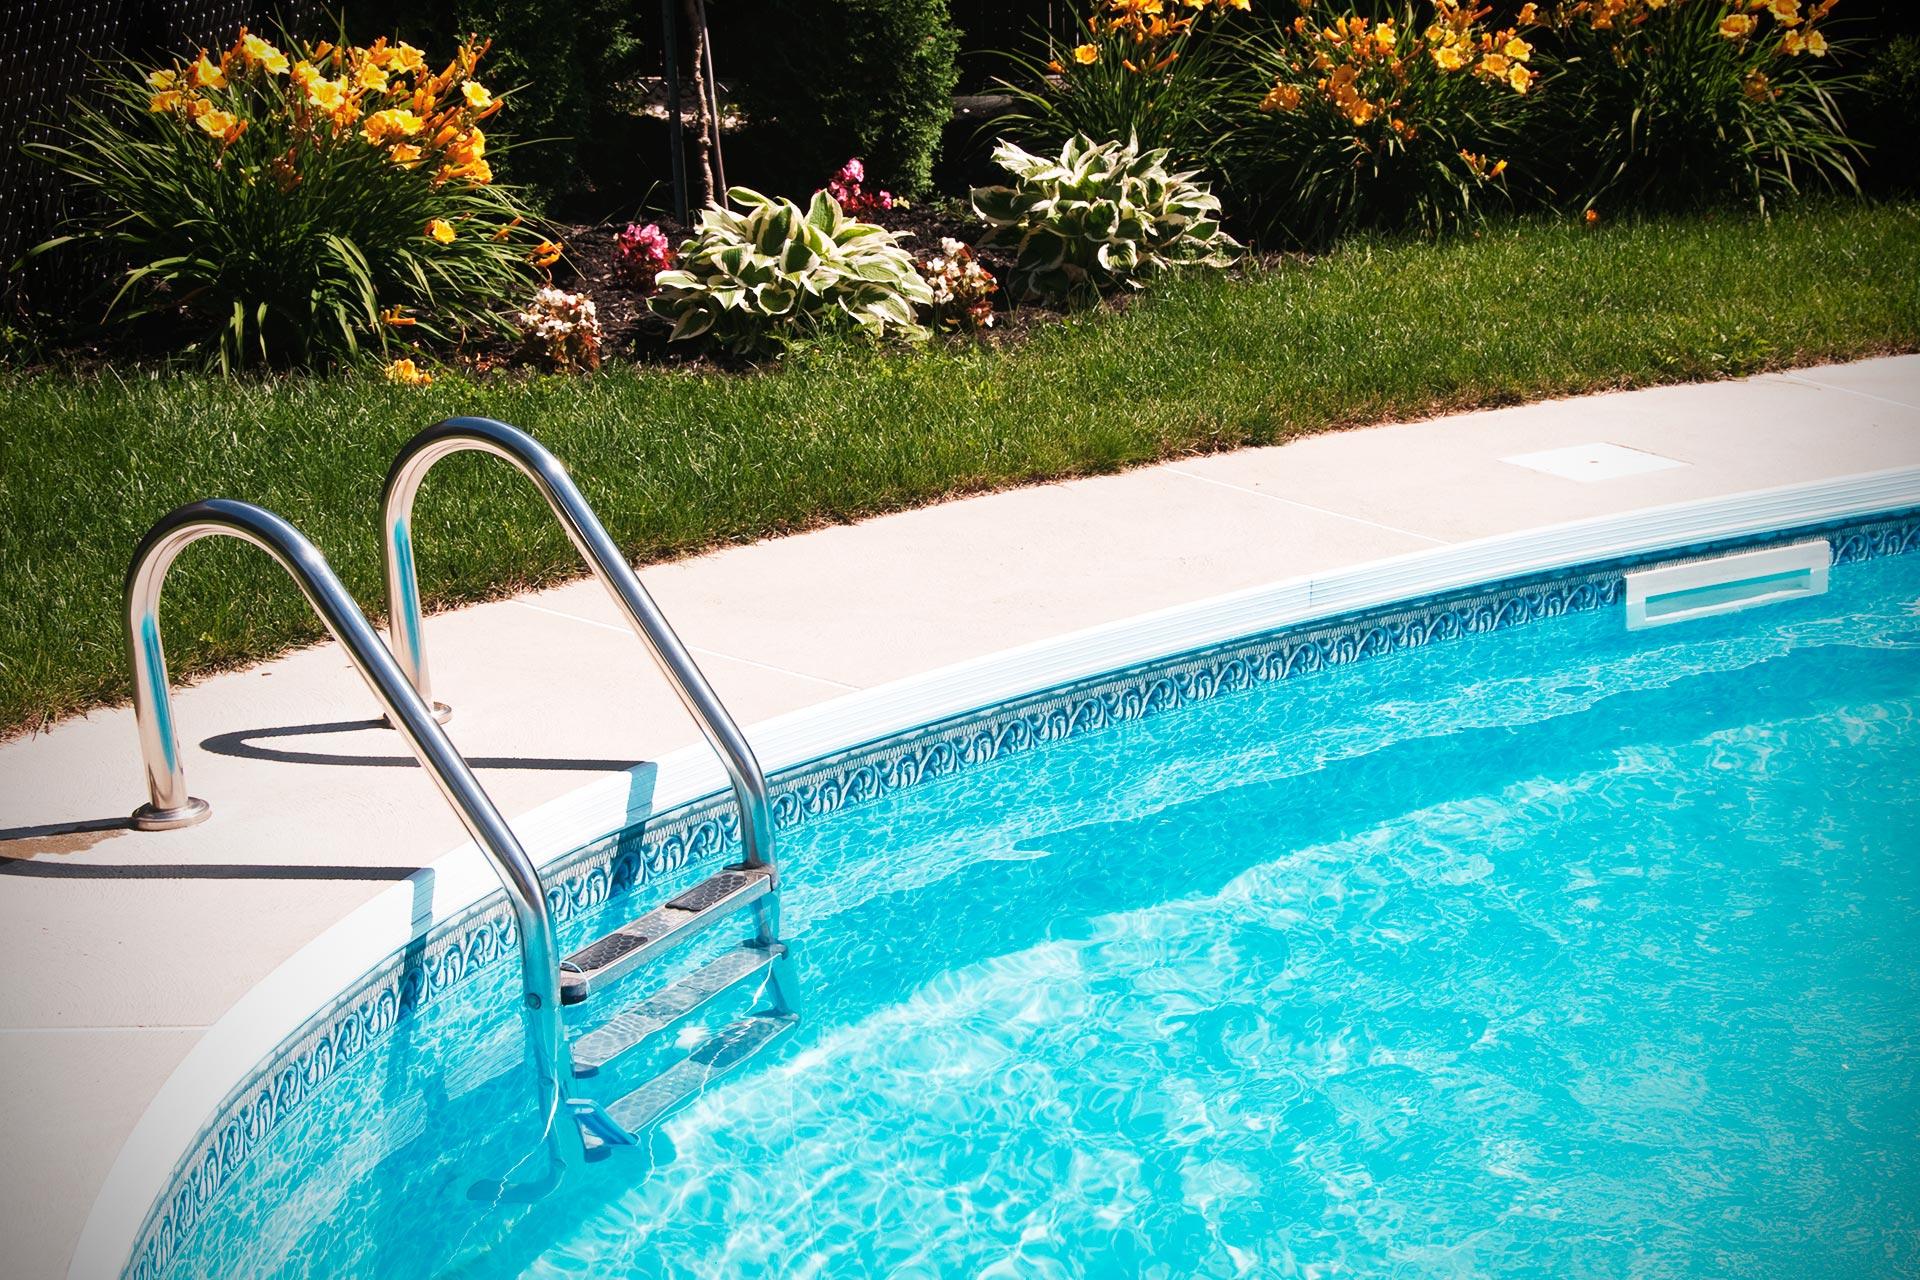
[282, 1003]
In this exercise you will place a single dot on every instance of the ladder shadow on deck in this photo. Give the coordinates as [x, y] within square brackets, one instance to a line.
[243, 744]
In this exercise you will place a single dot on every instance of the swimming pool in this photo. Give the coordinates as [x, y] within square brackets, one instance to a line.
[1549, 949]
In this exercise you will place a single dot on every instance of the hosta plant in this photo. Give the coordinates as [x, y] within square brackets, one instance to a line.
[770, 273]
[297, 207]
[1099, 214]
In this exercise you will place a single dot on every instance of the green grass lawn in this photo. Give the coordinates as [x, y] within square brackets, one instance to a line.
[675, 462]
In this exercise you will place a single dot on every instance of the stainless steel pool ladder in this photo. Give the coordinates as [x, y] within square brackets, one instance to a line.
[170, 806]
[752, 883]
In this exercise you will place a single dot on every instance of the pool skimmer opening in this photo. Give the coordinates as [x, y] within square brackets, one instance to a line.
[1726, 584]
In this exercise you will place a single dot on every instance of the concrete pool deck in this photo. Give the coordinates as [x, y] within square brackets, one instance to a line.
[121, 947]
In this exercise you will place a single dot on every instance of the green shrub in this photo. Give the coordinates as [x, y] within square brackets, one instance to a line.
[1100, 214]
[295, 210]
[1127, 73]
[839, 78]
[1671, 105]
[763, 277]
[1889, 114]
[1344, 124]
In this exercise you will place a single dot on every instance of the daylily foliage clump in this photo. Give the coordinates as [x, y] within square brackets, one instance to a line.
[296, 206]
[1156, 70]
[1320, 118]
[1410, 120]
[1674, 103]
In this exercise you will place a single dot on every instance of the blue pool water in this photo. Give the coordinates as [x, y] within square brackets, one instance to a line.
[1558, 952]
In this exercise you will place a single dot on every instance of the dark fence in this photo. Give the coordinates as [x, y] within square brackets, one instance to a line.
[49, 50]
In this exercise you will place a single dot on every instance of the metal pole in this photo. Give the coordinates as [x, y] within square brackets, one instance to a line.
[170, 806]
[610, 566]
[675, 143]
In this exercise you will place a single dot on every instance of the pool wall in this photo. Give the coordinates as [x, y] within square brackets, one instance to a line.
[255, 1069]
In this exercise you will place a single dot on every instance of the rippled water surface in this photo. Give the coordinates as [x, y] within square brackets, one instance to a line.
[1557, 953]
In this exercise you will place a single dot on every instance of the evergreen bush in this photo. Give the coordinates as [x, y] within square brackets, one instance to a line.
[838, 78]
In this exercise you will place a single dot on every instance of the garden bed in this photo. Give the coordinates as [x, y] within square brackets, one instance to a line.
[676, 462]
[631, 332]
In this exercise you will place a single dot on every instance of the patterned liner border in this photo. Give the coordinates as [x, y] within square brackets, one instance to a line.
[612, 867]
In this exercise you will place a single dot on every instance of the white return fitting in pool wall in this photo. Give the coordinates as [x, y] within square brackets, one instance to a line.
[1701, 588]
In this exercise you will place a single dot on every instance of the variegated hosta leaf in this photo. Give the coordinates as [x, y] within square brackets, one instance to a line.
[770, 272]
[1098, 215]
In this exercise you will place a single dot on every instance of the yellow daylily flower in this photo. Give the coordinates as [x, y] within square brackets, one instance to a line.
[406, 373]
[476, 95]
[261, 54]
[407, 58]
[468, 147]
[204, 75]
[478, 172]
[440, 229]
[1086, 55]
[221, 125]
[1282, 97]
[1736, 26]
[383, 127]
[328, 95]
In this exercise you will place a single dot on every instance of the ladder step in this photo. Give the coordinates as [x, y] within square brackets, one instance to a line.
[664, 1093]
[631, 945]
[634, 1026]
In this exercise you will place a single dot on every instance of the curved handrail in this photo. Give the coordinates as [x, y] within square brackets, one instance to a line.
[171, 806]
[550, 476]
